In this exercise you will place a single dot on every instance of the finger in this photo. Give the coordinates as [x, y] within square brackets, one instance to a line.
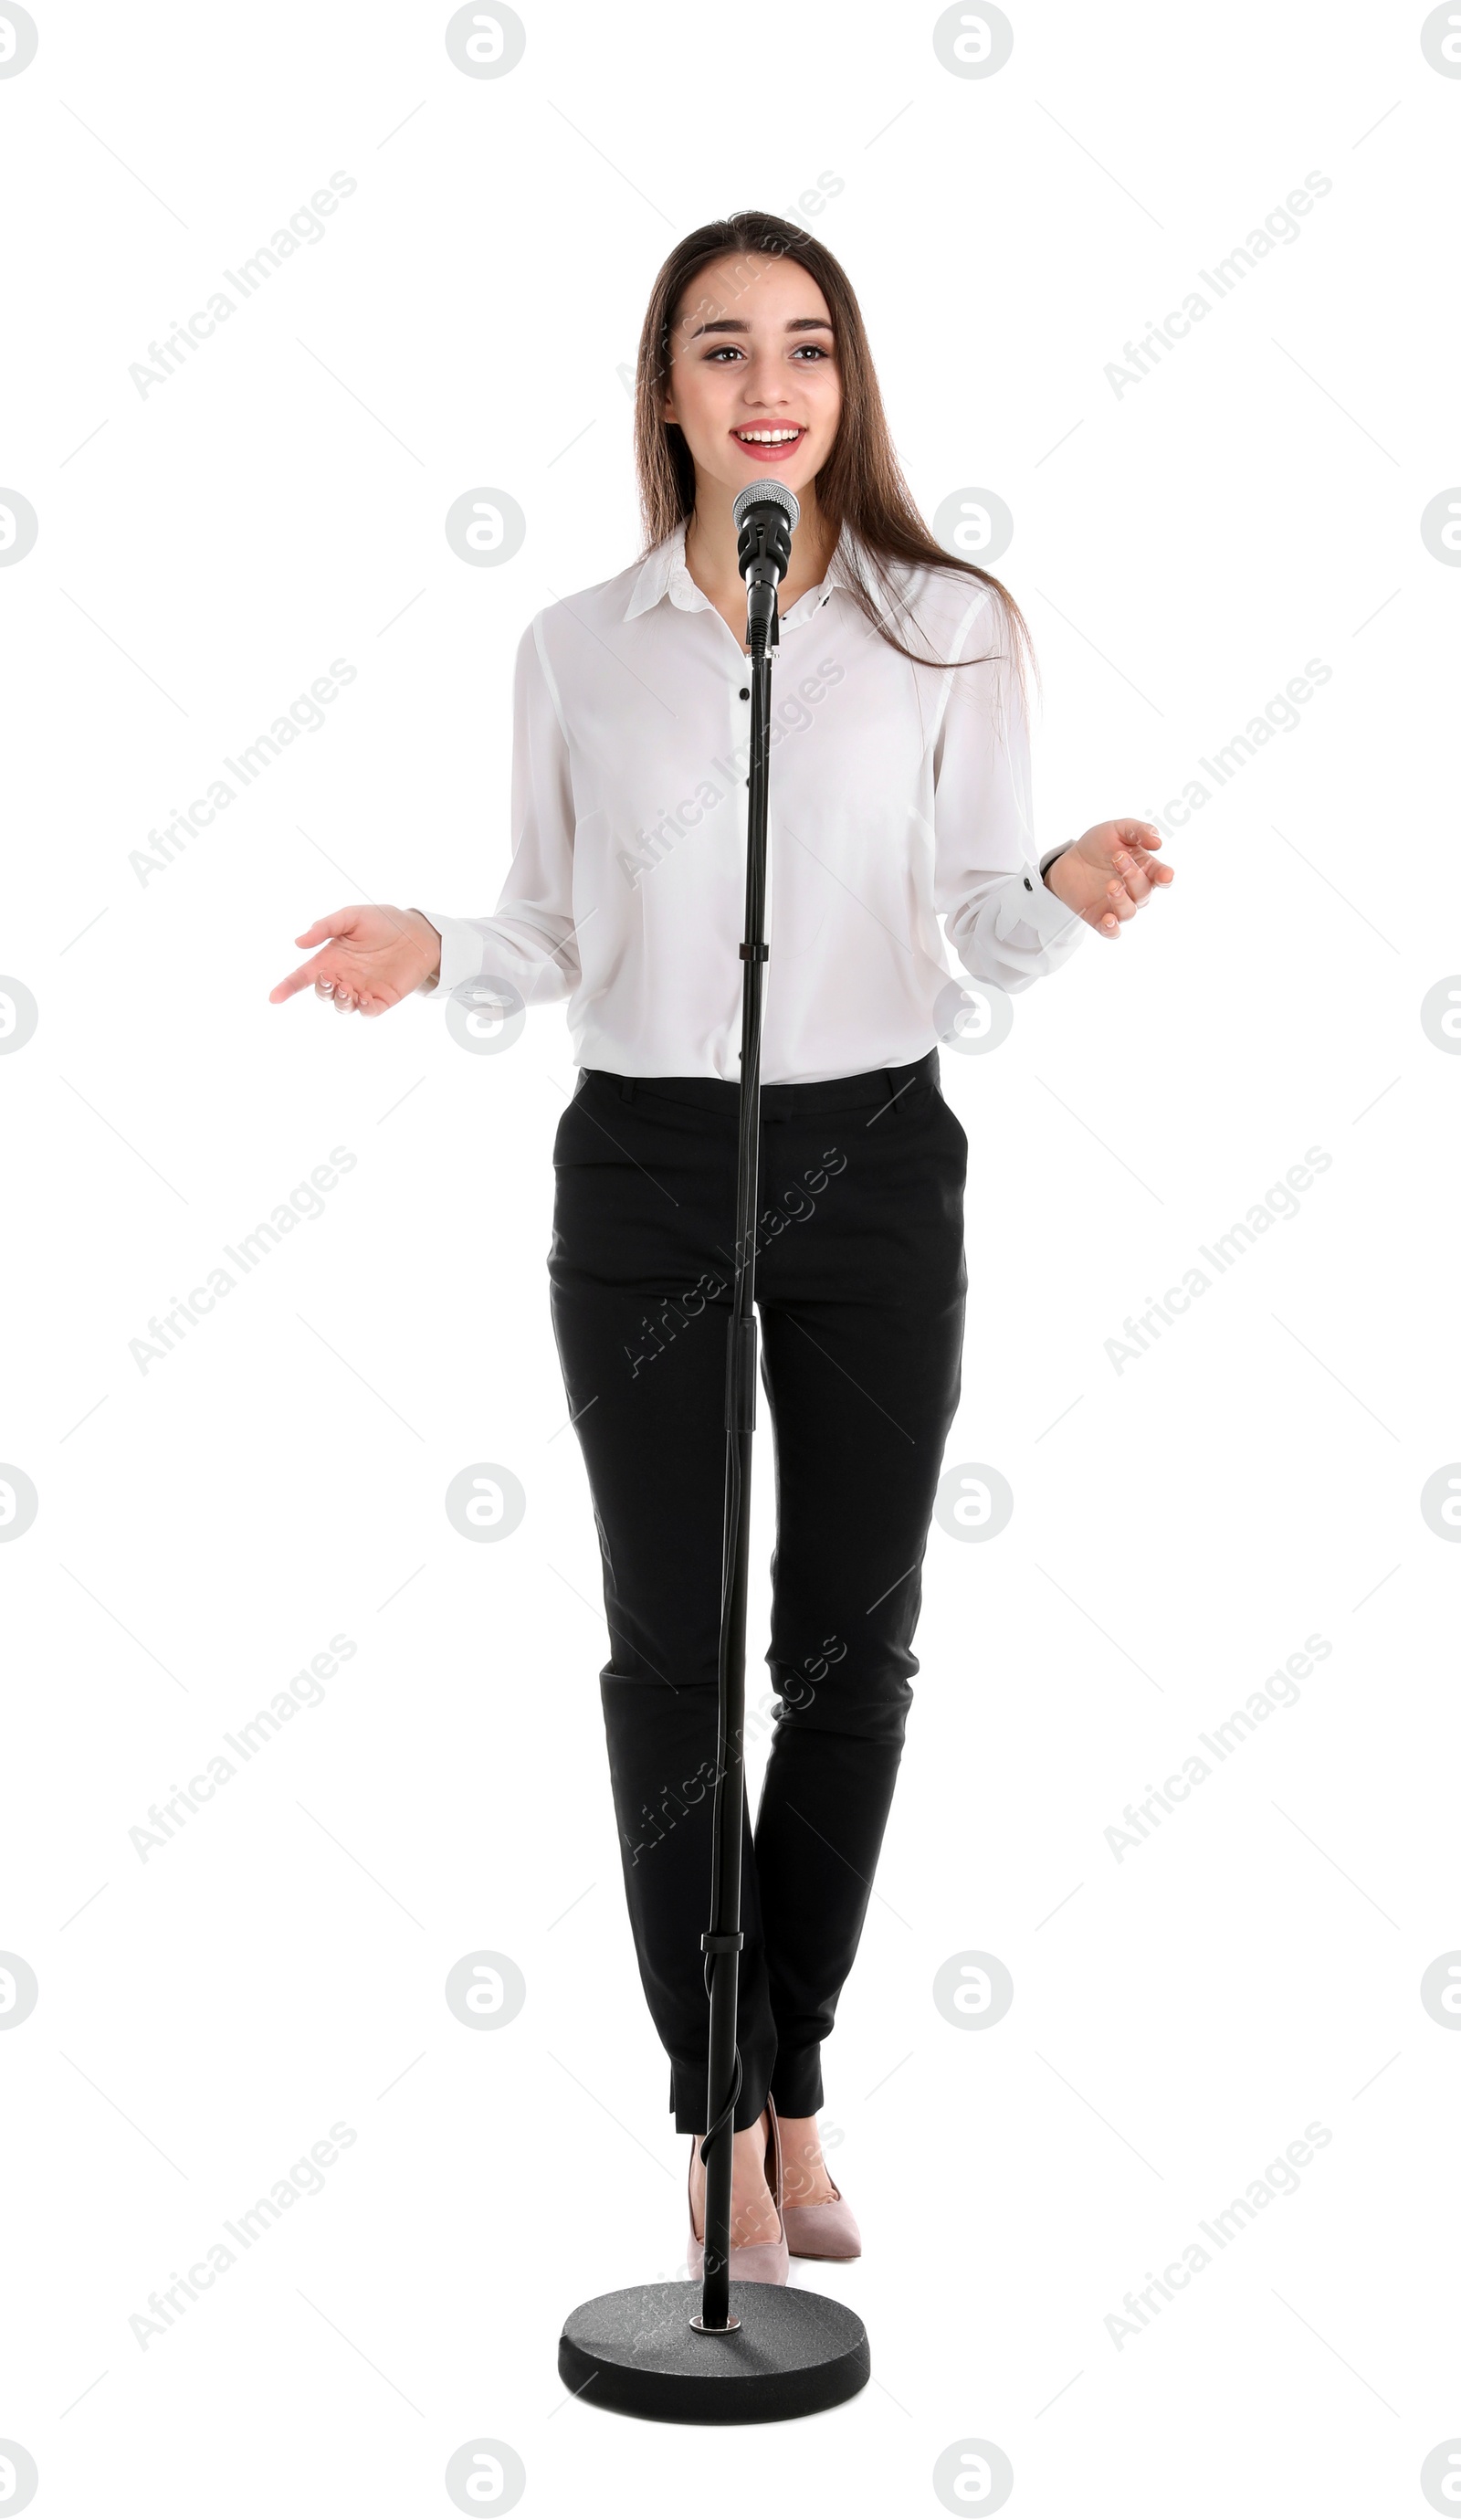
[300, 979]
[1120, 903]
[1129, 870]
[1140, 834]
[1108, 924]
[341, 923]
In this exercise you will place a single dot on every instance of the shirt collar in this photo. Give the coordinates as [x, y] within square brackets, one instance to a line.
[664, 572]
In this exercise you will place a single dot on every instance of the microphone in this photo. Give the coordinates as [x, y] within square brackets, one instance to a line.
[764, 515]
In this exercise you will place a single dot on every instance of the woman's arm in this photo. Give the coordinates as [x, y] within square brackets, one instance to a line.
[1009, 919]
[529, 937]
[373, 954]
[1003, 923]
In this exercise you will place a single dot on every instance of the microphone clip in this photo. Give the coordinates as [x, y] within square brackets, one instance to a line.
[762, 550]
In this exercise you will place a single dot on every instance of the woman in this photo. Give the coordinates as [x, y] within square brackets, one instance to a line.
[899, 793]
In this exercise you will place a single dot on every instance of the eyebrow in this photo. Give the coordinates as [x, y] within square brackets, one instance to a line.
[735, 324]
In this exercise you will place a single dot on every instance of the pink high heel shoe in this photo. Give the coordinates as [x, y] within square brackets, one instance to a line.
[763, 2261]
[827, 2230]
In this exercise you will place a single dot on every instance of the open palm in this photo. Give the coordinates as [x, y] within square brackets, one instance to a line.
[1109, 874]
[372, 956]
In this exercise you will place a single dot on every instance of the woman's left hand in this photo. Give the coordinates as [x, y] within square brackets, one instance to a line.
[1109, 874]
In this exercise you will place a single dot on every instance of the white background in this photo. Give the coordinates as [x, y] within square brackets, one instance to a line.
[1180, 1526]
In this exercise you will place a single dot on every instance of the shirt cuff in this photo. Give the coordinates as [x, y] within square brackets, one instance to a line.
[1026, 899]
[460, 954]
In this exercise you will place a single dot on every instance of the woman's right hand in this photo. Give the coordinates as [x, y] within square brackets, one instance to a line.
[372, 956]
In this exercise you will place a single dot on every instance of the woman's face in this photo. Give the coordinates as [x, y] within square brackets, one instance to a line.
[754, 381]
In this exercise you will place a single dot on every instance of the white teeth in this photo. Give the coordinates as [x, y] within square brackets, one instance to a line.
[768, 437]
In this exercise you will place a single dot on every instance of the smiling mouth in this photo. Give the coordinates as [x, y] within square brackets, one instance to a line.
[766, 444]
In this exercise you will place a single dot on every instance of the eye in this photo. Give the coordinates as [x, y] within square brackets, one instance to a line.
[729, 350]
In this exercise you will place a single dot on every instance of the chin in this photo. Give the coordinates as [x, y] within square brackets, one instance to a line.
[797, 476]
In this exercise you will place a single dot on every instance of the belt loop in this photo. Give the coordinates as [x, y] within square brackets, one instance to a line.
[626, 1088]
[890, 1080]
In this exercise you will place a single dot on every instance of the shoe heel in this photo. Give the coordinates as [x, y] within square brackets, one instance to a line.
[762, 2261]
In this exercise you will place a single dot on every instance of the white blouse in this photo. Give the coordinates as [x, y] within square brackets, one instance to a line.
[900, 795]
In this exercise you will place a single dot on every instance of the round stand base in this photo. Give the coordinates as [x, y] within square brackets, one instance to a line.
[794, 2353]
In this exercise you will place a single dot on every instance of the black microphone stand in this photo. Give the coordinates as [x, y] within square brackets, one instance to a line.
[723, 2352]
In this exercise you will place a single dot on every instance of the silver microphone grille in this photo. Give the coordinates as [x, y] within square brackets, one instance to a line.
[755, 492]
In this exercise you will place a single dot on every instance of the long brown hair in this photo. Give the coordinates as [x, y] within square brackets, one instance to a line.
[861, 484]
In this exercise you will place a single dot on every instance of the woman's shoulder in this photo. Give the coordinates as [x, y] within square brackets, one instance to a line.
[587, 612]
[949, 604]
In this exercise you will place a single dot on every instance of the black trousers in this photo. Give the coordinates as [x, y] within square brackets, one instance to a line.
[860, 1282]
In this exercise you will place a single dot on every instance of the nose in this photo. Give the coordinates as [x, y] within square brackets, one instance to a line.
[763, 381]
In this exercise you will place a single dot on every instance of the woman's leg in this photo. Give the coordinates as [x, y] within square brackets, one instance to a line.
[863, 1320]
[639, 1271]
